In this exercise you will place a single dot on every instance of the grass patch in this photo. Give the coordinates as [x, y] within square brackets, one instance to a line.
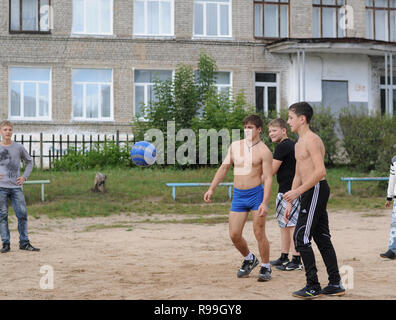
[142, 191]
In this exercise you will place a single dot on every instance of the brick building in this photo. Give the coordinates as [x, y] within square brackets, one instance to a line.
[84, 66]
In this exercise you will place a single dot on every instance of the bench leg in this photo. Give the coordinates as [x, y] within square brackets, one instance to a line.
[349, 187]
[229, 192]
[42, 192]
[174, 193]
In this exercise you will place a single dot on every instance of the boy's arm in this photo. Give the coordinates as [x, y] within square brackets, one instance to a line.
[267, 175]
[29, 162]
[392, 181]
[220, 174]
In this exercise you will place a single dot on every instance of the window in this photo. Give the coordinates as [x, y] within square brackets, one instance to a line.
[383, 99]
[153, 17]
[93, 17]
[92, 94]
[223, 82]
[212, 18]
[29, 93]
[326, 18]
[271, 18]
[381, 20]
[144, 86]
[29, 15]
[266, 92]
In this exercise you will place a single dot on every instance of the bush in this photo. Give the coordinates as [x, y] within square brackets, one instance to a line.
[108, 154]
[368, 140]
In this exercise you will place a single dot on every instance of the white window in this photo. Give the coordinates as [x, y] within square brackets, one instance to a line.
[29, 15]
[93, 17]
[29, 93]
[381, 20]
[271, 18]
[223, 82]
[266, 87]
[92, 94]
[153, 17]
[144, 86]
[326, 19]
[212, 18]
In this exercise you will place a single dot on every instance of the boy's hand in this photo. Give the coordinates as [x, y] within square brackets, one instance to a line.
[287, 212]
[208, 195]
[21, 180]
[263, 210]
[387, 204]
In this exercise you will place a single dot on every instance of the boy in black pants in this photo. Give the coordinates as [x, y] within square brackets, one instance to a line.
[309, 183]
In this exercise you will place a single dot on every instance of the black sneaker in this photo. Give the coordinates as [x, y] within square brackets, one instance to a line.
[282, 260]
[6, 248]
[247, 267]
[308, 293]
[28, 247]
[334, 290]
[388, 254]
[265, 274]
[290, 266]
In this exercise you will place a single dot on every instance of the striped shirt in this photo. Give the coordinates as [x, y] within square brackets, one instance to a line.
[392, 180]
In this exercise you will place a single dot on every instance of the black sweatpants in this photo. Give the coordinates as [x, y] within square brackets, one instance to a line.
[313, 222]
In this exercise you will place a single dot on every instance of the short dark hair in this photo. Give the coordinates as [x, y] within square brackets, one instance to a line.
[254, 119]
[278, 122]
[302, 109]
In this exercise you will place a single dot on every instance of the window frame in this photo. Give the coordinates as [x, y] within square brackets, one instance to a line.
[279, 4]
[145, 85]
[266, 85]
[49, 82]
[85, 33]
[388, 10]
[218, 36]
[21, 16]
[146, 34]
[84, 83]
[337, 8]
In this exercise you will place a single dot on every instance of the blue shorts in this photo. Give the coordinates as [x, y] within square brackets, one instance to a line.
[245, 200]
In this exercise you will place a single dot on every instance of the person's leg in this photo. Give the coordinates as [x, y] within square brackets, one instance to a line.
[236, 223]
[302, 235]
[290, 231]
[392, 235]
[19, 205]
[261, 237]
[4, 230]
[285, 240]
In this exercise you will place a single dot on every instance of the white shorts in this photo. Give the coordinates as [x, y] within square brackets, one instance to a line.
[280, 210]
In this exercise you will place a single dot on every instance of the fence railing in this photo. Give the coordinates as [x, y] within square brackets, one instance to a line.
[45, 148]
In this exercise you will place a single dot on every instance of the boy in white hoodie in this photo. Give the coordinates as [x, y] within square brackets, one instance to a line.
[391, 253]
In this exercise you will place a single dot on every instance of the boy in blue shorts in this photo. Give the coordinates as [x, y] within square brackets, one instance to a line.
[252, 160]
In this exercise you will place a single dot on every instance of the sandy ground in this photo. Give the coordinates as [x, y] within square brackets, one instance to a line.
[130, 260]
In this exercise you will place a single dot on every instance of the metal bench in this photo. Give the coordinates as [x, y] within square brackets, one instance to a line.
[193, 184]
[350, 179]
[42, 182]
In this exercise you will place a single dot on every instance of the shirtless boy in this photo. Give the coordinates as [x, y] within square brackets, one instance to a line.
[309, 183]
[252, 160]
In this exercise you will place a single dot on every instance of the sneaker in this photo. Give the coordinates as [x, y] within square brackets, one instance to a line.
[290, 266]
[265, 274]
[6, 248]
[247, 267]
[282, 260]
[28, 247]
[308, 293]
[334, 290]
[388, 254]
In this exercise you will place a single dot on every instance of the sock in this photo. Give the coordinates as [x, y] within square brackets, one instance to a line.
[284, 256]
[296, 259]
[267, 265]
[249, 256]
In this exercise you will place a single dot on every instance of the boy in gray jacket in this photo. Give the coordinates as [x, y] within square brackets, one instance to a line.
[11, 182]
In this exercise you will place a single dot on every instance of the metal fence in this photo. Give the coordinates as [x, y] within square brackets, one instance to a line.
[45, 149]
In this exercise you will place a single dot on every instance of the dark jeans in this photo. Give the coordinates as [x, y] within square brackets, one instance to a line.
[19, 205]
[313, 222]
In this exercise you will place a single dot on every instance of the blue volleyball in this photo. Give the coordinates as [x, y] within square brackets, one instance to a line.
[143, 153]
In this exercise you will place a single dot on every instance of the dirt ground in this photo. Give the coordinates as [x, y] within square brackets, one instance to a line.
[118, 258]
